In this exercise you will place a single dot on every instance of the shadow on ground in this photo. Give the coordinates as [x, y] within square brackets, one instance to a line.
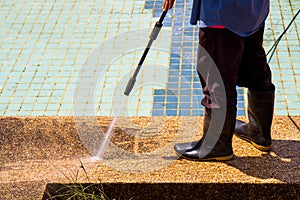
[282, 163]
[173, 191]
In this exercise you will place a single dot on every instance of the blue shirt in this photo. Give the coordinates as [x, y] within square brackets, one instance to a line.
[242, 17]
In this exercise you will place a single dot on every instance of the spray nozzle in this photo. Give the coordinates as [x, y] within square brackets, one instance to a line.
[129, 86]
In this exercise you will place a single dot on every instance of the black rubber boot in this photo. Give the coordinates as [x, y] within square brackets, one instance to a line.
[211, 146]
[260, 113]
[180, 148]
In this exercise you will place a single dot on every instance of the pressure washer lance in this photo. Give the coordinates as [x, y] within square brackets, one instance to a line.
[153, 37]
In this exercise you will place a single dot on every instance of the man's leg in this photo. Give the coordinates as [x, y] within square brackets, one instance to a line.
[255, 74]
[219, 57]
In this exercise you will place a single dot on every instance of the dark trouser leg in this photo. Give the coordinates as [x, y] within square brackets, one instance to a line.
[219, 57]
[255, 74]
[219, 71]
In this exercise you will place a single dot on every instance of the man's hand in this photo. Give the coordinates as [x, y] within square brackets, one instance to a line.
[168, 4]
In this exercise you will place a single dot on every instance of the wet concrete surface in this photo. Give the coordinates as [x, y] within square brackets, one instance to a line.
[36, 151]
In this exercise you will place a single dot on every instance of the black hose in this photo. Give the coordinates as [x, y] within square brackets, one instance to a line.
[273, 48]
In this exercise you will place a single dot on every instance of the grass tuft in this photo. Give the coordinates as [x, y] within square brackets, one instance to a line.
[78, 191]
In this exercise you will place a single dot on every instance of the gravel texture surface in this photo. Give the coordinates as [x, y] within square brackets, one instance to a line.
[40, 150]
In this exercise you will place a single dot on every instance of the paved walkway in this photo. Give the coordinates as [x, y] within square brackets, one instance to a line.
[50, 50]
[48, 150]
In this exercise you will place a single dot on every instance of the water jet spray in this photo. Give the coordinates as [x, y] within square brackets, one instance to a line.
[100, 153]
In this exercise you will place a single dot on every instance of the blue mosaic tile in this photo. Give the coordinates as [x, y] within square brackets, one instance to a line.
[240, 104]
[159, 99]
[294, 112]
[186, 112]
[171, 106]
[197, 112]
[185, 99]
[173, 79]
[240, 112]
[172, 99]
[185, 106]
[240, 97]
[281, 112]
[173, 86]
[159, 92]
[186, 92]
[170, 112]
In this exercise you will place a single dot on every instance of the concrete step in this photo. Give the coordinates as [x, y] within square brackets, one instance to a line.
[40, 152]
